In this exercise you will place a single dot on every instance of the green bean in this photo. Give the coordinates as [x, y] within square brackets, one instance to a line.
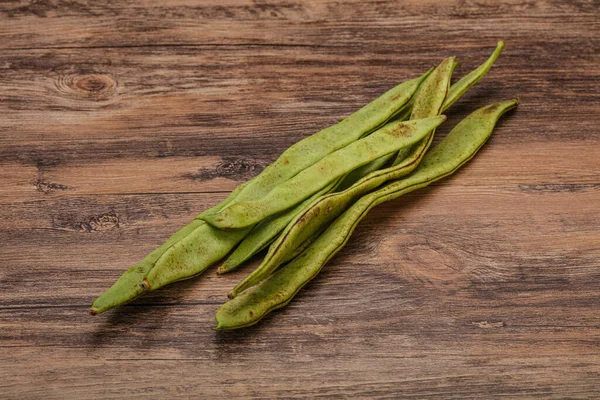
[131, 284]
[386, 140]
[192, 255]
[313, 148]
[277, 291]
[127, 287]
[323, 210]
[465, 83]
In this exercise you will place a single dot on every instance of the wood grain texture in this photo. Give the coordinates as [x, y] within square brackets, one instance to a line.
[121, 121]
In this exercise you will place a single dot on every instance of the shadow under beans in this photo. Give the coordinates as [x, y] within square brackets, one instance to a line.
[231, 342]
[143, 316]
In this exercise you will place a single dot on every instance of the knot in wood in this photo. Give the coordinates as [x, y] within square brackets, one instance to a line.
[93, 87]
[236, 168]
[103, 222]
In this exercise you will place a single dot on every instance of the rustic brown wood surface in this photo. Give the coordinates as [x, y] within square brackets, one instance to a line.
[121, 121]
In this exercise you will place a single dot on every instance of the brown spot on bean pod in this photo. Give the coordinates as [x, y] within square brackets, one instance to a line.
[396, 97]
[492, 109]
[401, 130]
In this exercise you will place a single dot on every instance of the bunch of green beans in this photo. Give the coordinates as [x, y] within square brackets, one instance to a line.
[309, 201]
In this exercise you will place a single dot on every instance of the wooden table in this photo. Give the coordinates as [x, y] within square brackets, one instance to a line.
[121, 121]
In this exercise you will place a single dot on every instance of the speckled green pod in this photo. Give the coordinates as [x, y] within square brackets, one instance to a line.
[388, 139]
[315, 147]
[277, 291]
[127, 287]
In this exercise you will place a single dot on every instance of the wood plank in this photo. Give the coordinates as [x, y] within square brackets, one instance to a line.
[326, 23]
[173, 174]
[439, 227]
[126, 95]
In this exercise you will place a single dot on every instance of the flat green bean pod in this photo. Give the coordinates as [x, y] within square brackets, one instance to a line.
[323, 210]
[312, 149]
[388, 139]
[127, 287]
[466, 82]
[457, 148]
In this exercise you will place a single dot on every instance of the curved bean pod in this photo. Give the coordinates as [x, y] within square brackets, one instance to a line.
[129, 285]
[466, 82]
[323, 210]
[388, 139]
[312, 149]
[461, 144]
